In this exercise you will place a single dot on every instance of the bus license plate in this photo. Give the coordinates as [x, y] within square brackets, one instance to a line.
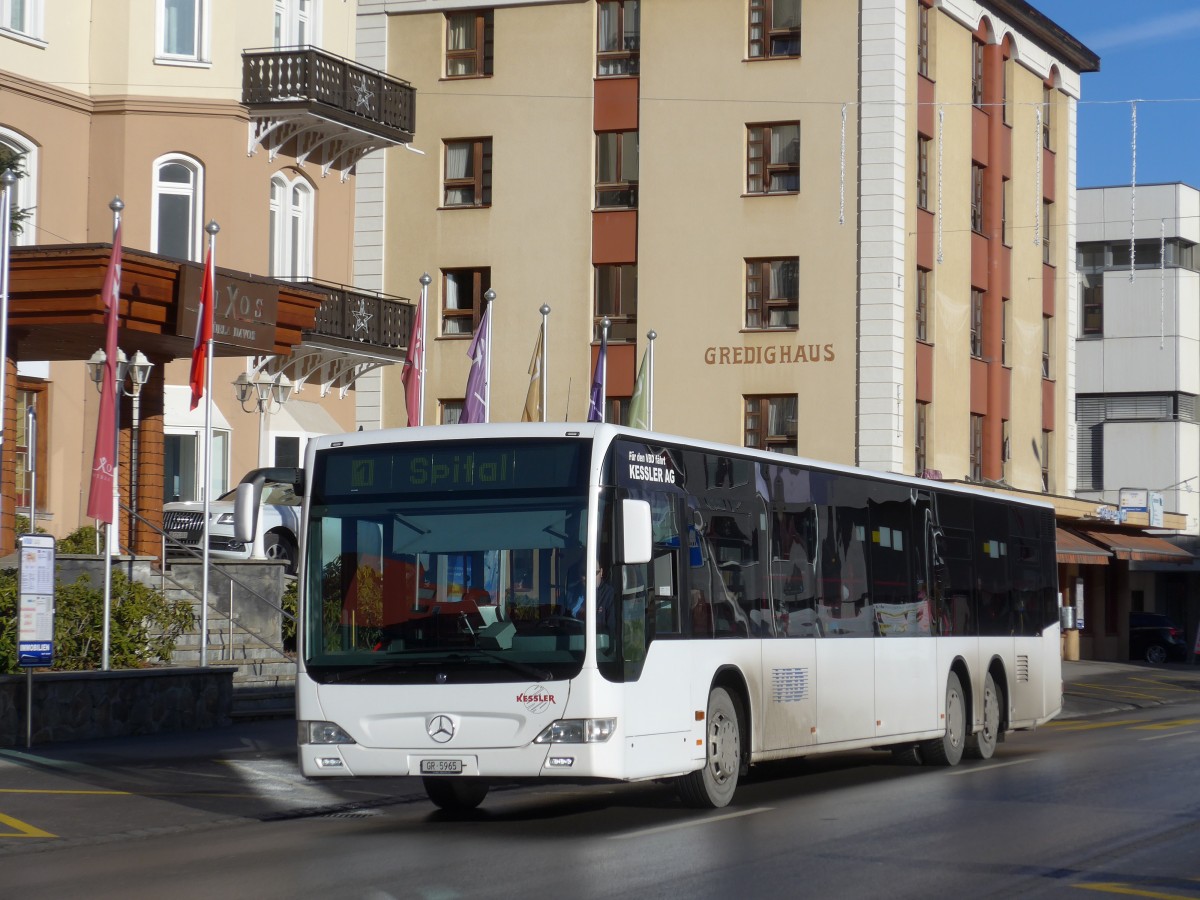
[441, 767]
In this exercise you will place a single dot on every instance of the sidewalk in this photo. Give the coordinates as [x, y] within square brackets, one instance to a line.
[1091, 687]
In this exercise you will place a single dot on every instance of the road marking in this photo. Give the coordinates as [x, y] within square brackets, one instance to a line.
[1092, 726]
[49, 791]
[1115, 887]
[23, 829]
[973, 769]
[691, 823]
[1164, 726]
[1159, 737]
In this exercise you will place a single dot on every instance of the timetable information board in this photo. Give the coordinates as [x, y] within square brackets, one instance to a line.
[35, 601]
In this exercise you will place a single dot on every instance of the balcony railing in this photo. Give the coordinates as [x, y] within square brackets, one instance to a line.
[363, 317]
[305, 79]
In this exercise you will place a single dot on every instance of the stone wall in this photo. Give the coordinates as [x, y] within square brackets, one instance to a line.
[78, 706]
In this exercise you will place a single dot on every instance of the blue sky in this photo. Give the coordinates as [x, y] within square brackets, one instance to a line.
[1149, 51]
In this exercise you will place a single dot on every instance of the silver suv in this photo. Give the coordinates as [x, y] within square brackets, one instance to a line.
[278, 526]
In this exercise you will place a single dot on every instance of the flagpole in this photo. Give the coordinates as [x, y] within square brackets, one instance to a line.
[488, 296]
[650, 336]
[8, 179]
[604, 326]
[206, 476]
[112, 543]
[545, 311]
[425, 281]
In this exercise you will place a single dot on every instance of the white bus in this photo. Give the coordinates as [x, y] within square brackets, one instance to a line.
[589, 602]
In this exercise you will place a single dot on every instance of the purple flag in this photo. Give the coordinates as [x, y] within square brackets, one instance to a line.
[475, 404]
[596, 407]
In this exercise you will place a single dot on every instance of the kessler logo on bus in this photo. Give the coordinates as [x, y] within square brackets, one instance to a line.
[536, 698]
[650, 467]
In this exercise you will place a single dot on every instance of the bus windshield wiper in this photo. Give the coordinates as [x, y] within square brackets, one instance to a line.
[514, 664]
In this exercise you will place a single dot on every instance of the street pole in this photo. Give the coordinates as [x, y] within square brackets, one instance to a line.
[545, 311]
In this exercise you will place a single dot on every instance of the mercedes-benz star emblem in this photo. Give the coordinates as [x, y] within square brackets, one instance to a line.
[440, 728]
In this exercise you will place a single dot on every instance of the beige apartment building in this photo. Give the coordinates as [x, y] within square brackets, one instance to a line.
[850, 225]
[251, 115]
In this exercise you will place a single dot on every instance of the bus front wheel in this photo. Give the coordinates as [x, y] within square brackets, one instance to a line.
[456, 794]
[948, 749]
[712, 787]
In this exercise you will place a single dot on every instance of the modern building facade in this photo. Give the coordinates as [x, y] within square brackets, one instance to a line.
[849, 224]
[190, 111]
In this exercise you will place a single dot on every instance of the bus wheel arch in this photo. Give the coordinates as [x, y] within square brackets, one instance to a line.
[727, 743]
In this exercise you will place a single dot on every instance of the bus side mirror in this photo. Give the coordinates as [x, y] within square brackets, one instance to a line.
[636, 533]
[245, 510]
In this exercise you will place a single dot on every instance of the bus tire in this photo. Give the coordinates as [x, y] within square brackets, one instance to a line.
[948, 749]
[712, 786]
[907, 755]
[456, 794]
[982, 744]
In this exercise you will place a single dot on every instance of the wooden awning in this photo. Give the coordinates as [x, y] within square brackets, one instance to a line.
[1074, 549]
[1136, 546]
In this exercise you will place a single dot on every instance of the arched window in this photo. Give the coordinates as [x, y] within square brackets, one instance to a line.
[24, 196]
[178, 207]
[291, 231]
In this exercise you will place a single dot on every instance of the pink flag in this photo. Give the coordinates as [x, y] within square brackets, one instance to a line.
[414, 368]
[104, 457]
[475, 404]
[204, 332]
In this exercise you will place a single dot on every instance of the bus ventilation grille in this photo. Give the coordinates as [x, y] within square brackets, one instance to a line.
[1022, 668]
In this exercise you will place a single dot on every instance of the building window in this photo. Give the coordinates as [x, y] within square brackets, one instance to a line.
[976, 448]
[922, 39]
[618, 37]
[1047, 221]
[773, 158]
[976, 323]
[1091, 289]
[469, 172]
[291, 227]
[977, 198]
[616, 300]
[462, 300]
[1005, 449]
[922, 304]
[1047, 449]
[921, 457]
[922, 170]
[773, 293]
[1006, 86]
[616, 169]
[177, 209]
[616, 410]
[450, 412]
[30, 396]
[469, 44]
[1047, 108]
[1005, 331]
[977, 73]
[21, 157]
[1005, 210]
[296, 23]
[1047, 345]
[182, 31]
[771, 423]
[22, 16]
[774, 28]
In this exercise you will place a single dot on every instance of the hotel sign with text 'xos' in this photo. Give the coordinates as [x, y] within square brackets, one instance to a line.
[246, 308]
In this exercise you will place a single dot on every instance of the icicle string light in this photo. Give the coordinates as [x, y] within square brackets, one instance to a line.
[1037, 167]
[842, 187]
[941, 122]
[1132, 188]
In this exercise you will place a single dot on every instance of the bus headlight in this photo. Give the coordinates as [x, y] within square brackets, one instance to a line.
[577, 731]
[321, 733]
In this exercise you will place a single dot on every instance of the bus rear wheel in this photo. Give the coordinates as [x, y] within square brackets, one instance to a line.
[456, 794]
[982, 744]
[948, 749]
[712, 787]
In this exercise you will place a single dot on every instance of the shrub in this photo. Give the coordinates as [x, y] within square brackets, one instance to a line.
[81, 540]
[144, 626]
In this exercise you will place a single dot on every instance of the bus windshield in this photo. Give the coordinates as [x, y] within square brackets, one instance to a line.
[473, 582]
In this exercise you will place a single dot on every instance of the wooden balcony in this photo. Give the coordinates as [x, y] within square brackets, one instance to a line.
[322, 108]
[362, 317]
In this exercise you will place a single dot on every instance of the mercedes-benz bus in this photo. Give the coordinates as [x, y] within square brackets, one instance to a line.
[573, 602]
